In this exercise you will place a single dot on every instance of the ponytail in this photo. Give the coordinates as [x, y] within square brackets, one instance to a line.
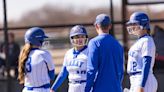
[21, 63]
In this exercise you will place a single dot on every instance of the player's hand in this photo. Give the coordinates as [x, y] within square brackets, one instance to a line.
[52, 90]
[140, 89]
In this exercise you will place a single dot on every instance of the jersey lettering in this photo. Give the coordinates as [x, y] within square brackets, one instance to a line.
[75, 63]
[133, 53]
[81, 72]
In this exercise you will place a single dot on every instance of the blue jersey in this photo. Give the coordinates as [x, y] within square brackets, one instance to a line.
[105, 64]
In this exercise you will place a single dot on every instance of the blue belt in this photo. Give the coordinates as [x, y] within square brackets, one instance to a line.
[135, 73]
[74, 82]
[43, 86]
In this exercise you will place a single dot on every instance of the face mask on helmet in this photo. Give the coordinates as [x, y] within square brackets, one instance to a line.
[45, 44]
[138, 21]
[79, 40]
[134, 28]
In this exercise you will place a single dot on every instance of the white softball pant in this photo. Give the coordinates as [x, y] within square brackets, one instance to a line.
[150, 86]
[76, 87]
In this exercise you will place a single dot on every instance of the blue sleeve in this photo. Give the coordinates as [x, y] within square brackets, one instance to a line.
[92, 65]
[120, 65]
[61, 77]
[51, 74]
[145, 69]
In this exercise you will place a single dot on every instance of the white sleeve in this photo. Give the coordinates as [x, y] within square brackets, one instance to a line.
[147, 48]
[49, 61]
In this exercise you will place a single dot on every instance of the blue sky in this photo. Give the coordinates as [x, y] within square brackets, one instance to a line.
[16, 8]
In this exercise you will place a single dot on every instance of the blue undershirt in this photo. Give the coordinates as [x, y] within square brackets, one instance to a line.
[51, 74]
[145, 69]
[146, 66]
[61, 77]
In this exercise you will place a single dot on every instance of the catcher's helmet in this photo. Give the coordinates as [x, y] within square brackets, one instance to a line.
[35, 36]
[78, 30]
[141, 19]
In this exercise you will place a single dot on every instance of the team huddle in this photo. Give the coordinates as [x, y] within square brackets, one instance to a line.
[95, 65]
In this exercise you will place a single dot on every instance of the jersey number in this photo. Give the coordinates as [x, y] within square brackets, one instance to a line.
[134, 66]
[28, 65]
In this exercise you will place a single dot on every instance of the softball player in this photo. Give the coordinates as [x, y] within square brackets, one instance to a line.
[75, 61]
[35, 65]
[141, 56]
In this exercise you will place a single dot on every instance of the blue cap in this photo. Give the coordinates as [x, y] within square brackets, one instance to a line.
[103, 19]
